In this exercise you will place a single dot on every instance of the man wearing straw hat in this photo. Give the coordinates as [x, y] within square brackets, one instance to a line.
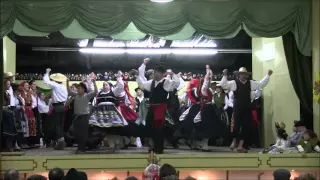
[59, 97]
[242, 88]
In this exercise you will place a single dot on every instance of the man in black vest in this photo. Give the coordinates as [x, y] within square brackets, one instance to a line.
[242, 88]
[159, 88]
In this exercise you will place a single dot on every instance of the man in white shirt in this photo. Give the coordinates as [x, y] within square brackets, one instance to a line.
[242, 88]
[159, 88]
[59, 97]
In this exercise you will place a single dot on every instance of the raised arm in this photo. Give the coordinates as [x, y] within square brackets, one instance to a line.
[170, 84]
[119, 88]
[181, 85]
[206, 82]
[46, 79]
[225, 84]
[261, 84]
[70, 92]
[93, 93]
[142, 81]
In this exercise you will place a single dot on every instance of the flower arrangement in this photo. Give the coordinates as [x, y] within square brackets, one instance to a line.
[316, 88]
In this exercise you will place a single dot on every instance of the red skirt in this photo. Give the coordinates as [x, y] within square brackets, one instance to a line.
[31, 121]
[128, 113]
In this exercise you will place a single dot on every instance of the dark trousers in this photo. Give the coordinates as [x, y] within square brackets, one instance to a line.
[156, 134]
[80, 128]
[242, 123]
[47, 128]
[57, 116]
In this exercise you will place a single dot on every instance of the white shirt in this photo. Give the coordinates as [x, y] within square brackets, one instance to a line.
[42, 106]
[230, 99]
[59, 91]
[118, 90]
[232, 85]
[10, 92]
[168, 85]
[33, 101]
[255, 94]
[140, 98]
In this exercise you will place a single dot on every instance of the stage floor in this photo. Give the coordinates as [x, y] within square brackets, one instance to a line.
[132, 150]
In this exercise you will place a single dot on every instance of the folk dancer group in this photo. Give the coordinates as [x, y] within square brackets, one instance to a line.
[115, 116]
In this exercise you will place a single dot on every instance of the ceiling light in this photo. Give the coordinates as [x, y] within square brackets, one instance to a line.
[161, 1]
[178, 51]
[83, 43]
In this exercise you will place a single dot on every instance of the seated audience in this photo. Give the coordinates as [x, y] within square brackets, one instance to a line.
[308, 143]
[306, 176]
[167, 170]
[73, 174]
[11, 174]
[56, 174]
[36, 177]
[131, 178]
[281, 174]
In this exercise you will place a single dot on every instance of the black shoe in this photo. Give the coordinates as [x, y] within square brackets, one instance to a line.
[60, 145]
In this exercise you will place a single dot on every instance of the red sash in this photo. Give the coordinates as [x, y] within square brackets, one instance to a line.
[159, 111]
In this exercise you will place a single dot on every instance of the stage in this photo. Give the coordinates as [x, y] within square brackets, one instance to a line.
[136, 159]
[132, 150]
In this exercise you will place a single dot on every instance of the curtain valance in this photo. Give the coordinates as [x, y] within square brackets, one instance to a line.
[177, 20]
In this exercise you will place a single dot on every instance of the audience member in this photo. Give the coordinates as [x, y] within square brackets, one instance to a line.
[172, 177]
[73, 174]
[281, 174]
[36, 177]
[56, 174]
[190, 178]
[131, 178]
[306, 176]
[167, 170]
[11, 174]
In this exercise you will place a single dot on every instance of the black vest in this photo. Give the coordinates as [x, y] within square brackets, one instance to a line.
[173, 101]
[242, 96]
[158, 94]
[146, 94]
[109, 97]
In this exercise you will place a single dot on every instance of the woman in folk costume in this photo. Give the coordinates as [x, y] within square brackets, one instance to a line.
[201, 111]
[210, 125]
[105, 112]
[8, 128]
[34, 105]
[27, 96]
[21, 121]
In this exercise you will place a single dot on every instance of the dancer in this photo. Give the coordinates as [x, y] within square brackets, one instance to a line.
[82, 113]
[159, 88]
[106, 117]
[59, 97]
[242, 88]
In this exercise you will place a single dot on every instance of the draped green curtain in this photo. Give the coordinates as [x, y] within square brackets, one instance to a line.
[1, 85]
[300, 70]
[218, 19]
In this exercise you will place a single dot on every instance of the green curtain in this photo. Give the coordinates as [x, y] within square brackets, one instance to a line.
[300, 70]
[1, 85]
[218, 19]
